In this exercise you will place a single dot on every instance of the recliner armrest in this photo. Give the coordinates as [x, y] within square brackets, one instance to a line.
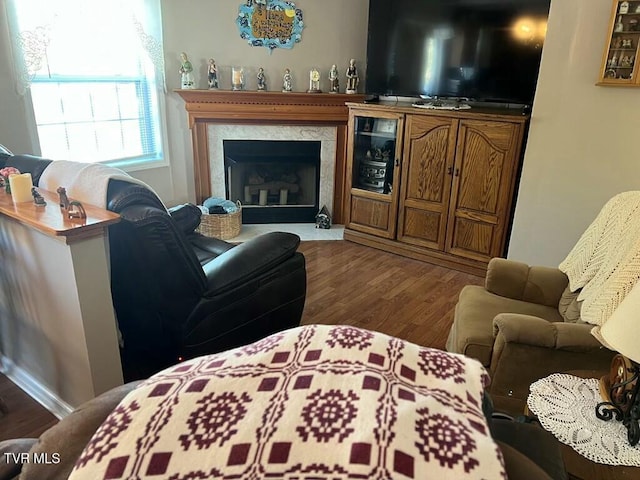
[186, 216]
[248, 260]
[517, 280]
[530, 330]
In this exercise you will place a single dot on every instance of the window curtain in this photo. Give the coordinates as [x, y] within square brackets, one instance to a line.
[84, 37]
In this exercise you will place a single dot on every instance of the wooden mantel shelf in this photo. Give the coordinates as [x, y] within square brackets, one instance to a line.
[249, 107]
[265, 108]
[49, 219]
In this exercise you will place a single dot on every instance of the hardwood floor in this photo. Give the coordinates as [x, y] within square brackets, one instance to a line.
[356, 285]
[347, 284]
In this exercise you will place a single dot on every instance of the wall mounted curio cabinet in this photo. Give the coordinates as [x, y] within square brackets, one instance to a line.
[620, 58]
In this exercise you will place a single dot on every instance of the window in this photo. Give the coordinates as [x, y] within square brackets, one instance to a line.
[94, 83]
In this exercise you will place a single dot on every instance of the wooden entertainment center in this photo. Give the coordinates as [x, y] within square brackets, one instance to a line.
[434, 185]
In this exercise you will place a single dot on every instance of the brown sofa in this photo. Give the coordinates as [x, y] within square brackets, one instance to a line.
[529, 452]
[523, 324]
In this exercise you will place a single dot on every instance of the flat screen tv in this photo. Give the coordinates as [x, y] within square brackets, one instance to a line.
[482, 50]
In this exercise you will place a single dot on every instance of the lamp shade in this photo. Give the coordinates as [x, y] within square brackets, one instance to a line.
[620, 331]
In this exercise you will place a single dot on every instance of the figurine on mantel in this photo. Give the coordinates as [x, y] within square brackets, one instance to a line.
[352, 77]
[186, 72]
[212, 74]
[333, 78]
[287, 81]
[262, 81]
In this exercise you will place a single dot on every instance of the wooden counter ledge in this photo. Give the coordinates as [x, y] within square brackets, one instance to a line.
[51, 220]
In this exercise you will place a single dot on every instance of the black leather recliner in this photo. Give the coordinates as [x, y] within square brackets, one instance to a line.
[178, 294]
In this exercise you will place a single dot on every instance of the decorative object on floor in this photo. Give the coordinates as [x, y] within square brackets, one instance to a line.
[262, 81]
[37, 198]
[287, 81]
[212, 74]
[565, 404]
[352, 77]
[237, 78]
[270, 23]
[186, 72]
[20, 184]
[4, 177]
[323, 219]
[314, 81]
[368, 405]
[334, 79]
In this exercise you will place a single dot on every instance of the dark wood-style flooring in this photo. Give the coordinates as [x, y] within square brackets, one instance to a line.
[348, 284]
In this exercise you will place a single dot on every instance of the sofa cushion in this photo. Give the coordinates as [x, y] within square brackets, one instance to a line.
[472, 330]
[569, 306]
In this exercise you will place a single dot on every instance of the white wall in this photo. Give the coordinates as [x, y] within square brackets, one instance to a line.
[582, 146]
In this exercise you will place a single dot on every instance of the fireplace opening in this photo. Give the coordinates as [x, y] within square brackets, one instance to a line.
[277, 181]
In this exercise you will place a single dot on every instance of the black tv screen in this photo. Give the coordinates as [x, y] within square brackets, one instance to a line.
[483, 50]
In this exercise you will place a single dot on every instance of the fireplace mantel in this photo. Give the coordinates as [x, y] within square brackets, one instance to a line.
[265, 108]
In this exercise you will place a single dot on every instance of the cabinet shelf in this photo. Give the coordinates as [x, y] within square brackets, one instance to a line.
[377, 134]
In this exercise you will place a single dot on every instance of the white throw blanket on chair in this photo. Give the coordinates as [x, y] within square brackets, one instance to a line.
[86, 182]
[605, 263]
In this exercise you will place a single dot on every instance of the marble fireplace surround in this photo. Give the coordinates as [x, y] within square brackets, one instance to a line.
[214, 114]
[325, 135]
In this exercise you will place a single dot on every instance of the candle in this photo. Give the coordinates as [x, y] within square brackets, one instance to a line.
[21, 185]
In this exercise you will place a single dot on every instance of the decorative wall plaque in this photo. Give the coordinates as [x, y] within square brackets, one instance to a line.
[270, 23]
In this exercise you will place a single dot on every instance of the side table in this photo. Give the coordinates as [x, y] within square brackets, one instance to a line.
[581, 468]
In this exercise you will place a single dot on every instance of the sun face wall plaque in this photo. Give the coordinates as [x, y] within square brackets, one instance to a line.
[270, 23]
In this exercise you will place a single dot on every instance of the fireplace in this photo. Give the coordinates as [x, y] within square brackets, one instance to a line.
[277, 181]
[216, 115]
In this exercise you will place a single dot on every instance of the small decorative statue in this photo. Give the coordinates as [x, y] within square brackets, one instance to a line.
[352, 77]
[64, 200]
[323, 219]
[333, 78]
[74, 209]
[287, 81]
[212, 74]
[262, 81]
[37, 198]
[186, 72]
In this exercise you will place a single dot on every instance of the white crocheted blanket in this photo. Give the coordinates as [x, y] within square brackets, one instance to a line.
[605, 263]
[86, 182]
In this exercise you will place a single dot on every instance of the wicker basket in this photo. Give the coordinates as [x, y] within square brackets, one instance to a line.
[223, 226]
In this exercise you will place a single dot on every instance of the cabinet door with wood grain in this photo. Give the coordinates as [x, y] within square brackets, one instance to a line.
[485, 169]
[426, 172]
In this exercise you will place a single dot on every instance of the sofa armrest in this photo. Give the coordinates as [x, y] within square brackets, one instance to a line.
[517, 280]
[186, 216]
[248, 260]
[528, 348]
[530, 330]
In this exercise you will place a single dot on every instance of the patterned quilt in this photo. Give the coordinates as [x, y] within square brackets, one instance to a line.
[314, 402]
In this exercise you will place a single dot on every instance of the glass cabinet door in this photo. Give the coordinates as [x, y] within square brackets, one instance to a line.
[374, 154]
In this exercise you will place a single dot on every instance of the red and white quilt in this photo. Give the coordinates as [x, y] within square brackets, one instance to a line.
[315, 402]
